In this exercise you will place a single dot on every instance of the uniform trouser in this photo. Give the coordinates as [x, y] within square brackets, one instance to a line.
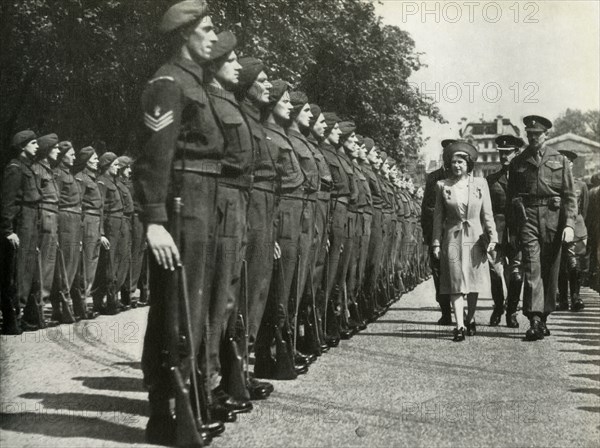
[573, 259]
[540, 243]
[69, 240]
[338, 233]
[124, 253]
[197, 249]
[259, 255]
[344, 277]
[352, 280]
[48, 248]
[497, 279]
[27, 281]
[375, 251]
[295, 234]
[138, 246]
[90, 254]
[367, 220]
[319, 257]
[110, 263]
[8, 287]
[232, 209]
[387, 242]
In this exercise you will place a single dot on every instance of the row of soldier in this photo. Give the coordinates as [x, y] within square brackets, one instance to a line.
[71, 231]
[273, 229]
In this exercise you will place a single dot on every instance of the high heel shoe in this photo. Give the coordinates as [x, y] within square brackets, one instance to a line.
[471, 328]
[459, 334]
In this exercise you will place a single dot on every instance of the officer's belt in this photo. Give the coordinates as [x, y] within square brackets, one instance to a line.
[299, 193]
[92, 212]
[244, 181]
[538, 201]
[70, 209]
[265, 185]
[51, 207]
[200, 166]
[115, 213]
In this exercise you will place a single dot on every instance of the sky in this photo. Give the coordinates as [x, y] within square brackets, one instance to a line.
[509, 58]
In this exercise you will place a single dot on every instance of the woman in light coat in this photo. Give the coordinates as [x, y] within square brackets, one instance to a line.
[463, 233]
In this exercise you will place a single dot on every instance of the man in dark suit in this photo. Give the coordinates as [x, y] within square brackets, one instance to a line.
[508, 146]
[427, 208]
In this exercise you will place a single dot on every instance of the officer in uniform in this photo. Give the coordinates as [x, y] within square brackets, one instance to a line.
[69, 237]
[542, 210]
[44, 169]
[427, 208]
[85, 170]
[125, 247]
[573, 255]
[183, 148]
[19, 217]
[508, 146]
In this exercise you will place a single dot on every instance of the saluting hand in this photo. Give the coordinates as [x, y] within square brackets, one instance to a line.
[13, 239]
[163, 247]
[568, 235]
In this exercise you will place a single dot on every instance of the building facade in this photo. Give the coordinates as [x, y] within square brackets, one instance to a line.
[588, 154]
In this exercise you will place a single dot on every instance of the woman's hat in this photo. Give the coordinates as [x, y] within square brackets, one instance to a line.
[462, 146]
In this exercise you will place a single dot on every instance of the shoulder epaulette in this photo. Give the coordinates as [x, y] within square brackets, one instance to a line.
[162, 78]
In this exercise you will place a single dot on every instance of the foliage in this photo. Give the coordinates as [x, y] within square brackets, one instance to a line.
[77, 67]
[584, 124]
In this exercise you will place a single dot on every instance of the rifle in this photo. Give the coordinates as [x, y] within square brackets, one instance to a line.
[39, 300]
[64, 290]
[186, 431]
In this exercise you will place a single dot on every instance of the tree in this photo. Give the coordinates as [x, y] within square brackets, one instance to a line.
[584, 124]
[77, 67]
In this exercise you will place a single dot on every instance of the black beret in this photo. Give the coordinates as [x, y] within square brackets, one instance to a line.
[568, 154]
[182, 13]
[391, 162]
[331, 119]
[106, 159]
[508, 142]
[535, 123]
[46, 143]
[462, 146]
[64, 147]
[369, 143]
[383, 156]
[23, 137]
[82, 158]
[225, 45]
[360, 139]
[279, 88]
[298, 100]
[347, 128]
[316, 113]
[124, 161]
[251, 68]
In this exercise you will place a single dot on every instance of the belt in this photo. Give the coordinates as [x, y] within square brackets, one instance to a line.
[264, 185]
[53, 208]
[343, 199]
[242, 181]
[538, 201]
[200, 166]
[92, 212]
[72, 209]
[115, 214]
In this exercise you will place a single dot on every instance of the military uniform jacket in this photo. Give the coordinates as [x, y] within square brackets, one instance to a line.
[126, 196]
[288, 165]
[264, 159]
[48, 185]
[497, 183]
[348, 167]
[111, 196]
[238, 153]
[428, 203]
[374, 185]
[91, 196]
[324, 172]
[303, 151]
[364, 202]
[180, 132]
[341, 183]
[20, 186]
[582, 195]
[69, 190]
[541, 181]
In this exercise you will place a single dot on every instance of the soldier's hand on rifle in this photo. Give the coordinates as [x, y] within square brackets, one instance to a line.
[436, 252]
[277, 251]
[568, 235]
[105, 243]
[163, 247]
[13, 239]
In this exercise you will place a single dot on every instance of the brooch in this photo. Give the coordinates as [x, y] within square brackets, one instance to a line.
[447, 192]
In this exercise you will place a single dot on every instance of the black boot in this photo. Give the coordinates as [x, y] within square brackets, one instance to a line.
[576, 301]
[512, 299]
[535, 331]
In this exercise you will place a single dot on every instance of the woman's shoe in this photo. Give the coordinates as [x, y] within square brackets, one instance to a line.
[471, 328]
[459, 334]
